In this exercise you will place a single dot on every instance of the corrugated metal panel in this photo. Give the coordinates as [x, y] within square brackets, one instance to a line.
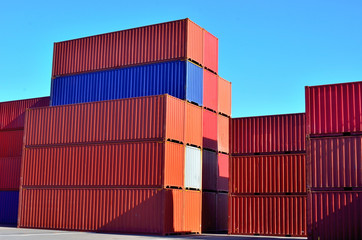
[268, 215]
[335, 215]
[10, 173]
[223, 133]
[193, 168]
[209, 170]
[334, 162]
[116, 120]
[209, 212]
[193, 125]
[195, 42]
[221, 212]
[210, 90]
[209, 132]
[12, 114]
[172, 78]
[334, 108]
[138, 164]
[224, 96]
[211, 51]
[268, 134]
[268, 174]
[11, 143]
[9, 202]
[192, 211]
[174, 211]
[223, 172]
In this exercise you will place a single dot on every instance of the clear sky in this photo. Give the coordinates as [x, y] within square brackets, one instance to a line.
[268, 49]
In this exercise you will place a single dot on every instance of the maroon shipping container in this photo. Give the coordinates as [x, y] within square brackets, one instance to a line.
[211, 52]
[268, 134]
[334, 162]
[10, 173]
[209, 132]
[145, 118]
[152, 211]
[268, 215]
[132, 164]
[222, 212]
[11, 143]
[180, 39]
[222, 172]
[210, 90]
[334, 109]
[214, 212]
[209, 170]
[12, 114]
[335, 215]
[277, 174]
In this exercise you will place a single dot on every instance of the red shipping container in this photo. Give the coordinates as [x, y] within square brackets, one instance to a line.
[193, 125]
[132, 164]
[210, 90]
[152, 211]
[11, 143]
[209, 170]
[223, 133]
[277, 215]
[12, 114]
[268, 134]
[223, 172]
[209, 130]
[334, 109]
[145, 118]
[335, 215]
[211, 51]
[224, 97]
[334, 162]
[180, 39]
[222, 212]
[10, 173]
[275, 174]
[209, 212]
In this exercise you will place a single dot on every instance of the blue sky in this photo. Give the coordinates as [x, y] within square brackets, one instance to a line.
[269, 50]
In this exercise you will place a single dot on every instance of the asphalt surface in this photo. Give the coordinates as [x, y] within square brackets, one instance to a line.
[12, 233]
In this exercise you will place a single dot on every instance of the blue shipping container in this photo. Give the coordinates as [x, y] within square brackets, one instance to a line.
[181, 79]
[9, 202]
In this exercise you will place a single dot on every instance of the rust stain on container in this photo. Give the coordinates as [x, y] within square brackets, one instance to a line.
[11, 143]
[224, 96]
[10, 173]
[223, 133]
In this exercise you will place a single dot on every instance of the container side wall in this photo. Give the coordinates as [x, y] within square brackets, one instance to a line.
[193, 168]
[174, 211]
[210, 90]
[174, 164]
[222, 212]
[175, 119]
[192, 211]
[194, 84]
[211, 51]
[224, 96]
[209, 130]
[209, 212]
[10, 173]
[9, 202]
[209, 170]
[11, 143]
[193, 127]
[223, 172]
[223, 133]
[195, 43]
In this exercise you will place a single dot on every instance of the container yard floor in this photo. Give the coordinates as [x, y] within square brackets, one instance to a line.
[12, 233]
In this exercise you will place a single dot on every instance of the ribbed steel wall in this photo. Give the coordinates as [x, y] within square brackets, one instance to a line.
[223, 133]
[210, 94]
[209, 132]
[209, 170]
[10, 173]
[224, 96]
[222, 172]
[211, 51]
[9, 203]
[11, 143]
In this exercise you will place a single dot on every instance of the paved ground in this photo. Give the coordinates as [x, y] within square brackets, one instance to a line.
[10, 233]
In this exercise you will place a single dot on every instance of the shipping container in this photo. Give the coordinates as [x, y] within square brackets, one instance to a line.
[9, 202]
[223, 133]
[133, 119]
[334, 109]
[334, 162]
[334, 215]
[210, 90]
[224, 96]
[221, 212]
[268, 215]
[10, 173]
[132, 164]
[193, 168]
[209, 170]
[152, 211]
[193, 125]
[209, 212]
[211, 51]
[266, 174]
[11, 143]
[174, 40]
[268, 134]
[209, 132]
[12, 114]
[222, 172]
[181, 79]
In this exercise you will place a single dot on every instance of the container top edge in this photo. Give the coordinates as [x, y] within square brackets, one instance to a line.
[274, 115]
[25, 99]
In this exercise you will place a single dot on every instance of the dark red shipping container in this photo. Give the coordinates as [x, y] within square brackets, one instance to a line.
[209, 132]
[208, 212]
[222, 172]
[152, 211]
[334, 109]
[209, 170]
[12, 114]
[277, 174]
[268, 215]
[10, 173]
[210, 90]
[11, 143]
[268, 134]
[211, 52]
[223, 133]
[132, 164]
[334, 162]
[222, 212]
[335, 215]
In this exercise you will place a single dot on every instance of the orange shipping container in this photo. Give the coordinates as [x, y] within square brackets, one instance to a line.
[224, 97]
[193, 125]
[223, 133]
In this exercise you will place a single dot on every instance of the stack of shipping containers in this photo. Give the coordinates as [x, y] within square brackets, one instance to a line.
[267, 188]
[334, 161]
[12, 116]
